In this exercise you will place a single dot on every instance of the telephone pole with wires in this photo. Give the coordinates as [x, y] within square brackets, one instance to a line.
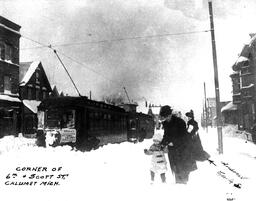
[216, 79]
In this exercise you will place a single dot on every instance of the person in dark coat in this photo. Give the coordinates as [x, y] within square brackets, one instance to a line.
[177, 140]
[192, 125]
[196, 146]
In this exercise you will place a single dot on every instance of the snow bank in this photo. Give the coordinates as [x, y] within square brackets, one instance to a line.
[13, 144]
[121, 172]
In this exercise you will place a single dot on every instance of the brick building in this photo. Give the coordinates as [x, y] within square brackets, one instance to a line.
[243, 82]
[9, 77]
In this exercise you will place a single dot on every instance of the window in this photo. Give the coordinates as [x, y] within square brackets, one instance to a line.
[132, 125]
[7, 84]
[68, 119]
[29, 93]
[8, 52]
[2, 51]
[37, 94]
[37, 77]
[52, 119]
[44, 94]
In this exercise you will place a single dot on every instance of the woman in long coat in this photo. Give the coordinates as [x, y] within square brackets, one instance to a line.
[177, 140]
[192, 128]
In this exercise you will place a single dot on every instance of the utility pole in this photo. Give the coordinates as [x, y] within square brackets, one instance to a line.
[216, 80]
[127, 95]
[206, 109]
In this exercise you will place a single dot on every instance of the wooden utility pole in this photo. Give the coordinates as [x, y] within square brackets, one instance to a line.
[216, 80]
[206, 109]
[127, 95]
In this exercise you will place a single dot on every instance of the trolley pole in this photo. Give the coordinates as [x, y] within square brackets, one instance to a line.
[216, 80]
[206, 109]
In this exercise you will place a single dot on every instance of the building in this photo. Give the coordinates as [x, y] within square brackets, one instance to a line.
[229, 113]
[243, 82]
[34, 87]
[212, 111]
[55, 92]
[9, 77]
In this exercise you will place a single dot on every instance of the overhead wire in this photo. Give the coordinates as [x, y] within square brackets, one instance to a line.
[70, 58]
[119, 39]
[97, 42]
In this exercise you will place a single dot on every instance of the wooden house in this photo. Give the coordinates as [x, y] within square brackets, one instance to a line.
[33, 88]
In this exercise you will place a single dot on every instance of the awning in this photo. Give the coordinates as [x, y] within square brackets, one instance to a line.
[31, 105]
[9, 98]
[229, 107]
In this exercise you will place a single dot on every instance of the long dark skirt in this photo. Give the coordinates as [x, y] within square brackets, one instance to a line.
[181, 162]
[199, 154]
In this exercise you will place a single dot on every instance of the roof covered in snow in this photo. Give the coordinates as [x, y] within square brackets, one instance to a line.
[241, 59]
[27, 70]
[229, 106]
[9, 98]
[240, 62]
[253, 39]
[32, 105]
[249, 86]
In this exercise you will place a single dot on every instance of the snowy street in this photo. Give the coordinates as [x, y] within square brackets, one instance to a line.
[121, 172]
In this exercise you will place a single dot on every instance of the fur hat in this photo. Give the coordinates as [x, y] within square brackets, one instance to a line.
[190, 114]
[165, 111]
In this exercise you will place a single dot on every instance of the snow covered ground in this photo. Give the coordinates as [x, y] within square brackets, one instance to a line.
[121, 172]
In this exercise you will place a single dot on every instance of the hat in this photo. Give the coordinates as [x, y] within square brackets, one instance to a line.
[165, 111]
[190, 114]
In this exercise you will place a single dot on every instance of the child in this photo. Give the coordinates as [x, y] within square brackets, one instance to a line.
[158, 161]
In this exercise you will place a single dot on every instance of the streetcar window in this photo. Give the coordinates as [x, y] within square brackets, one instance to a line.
[68, 119]
[52, 119]
[132, 125]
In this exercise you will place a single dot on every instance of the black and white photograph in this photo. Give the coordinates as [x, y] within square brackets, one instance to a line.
[127, 100]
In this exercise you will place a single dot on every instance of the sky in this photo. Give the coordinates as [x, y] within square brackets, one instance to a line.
[121, 172]
[159, 50]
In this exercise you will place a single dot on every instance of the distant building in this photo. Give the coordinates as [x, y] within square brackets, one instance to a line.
[129, 107]
[9, 77]
[55, 92]
[34, 87]
[212, 111]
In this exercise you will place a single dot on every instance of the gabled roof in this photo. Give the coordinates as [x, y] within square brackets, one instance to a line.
[26, 71]
[55, 91]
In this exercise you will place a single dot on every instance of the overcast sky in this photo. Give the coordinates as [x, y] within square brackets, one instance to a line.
[164, 70]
